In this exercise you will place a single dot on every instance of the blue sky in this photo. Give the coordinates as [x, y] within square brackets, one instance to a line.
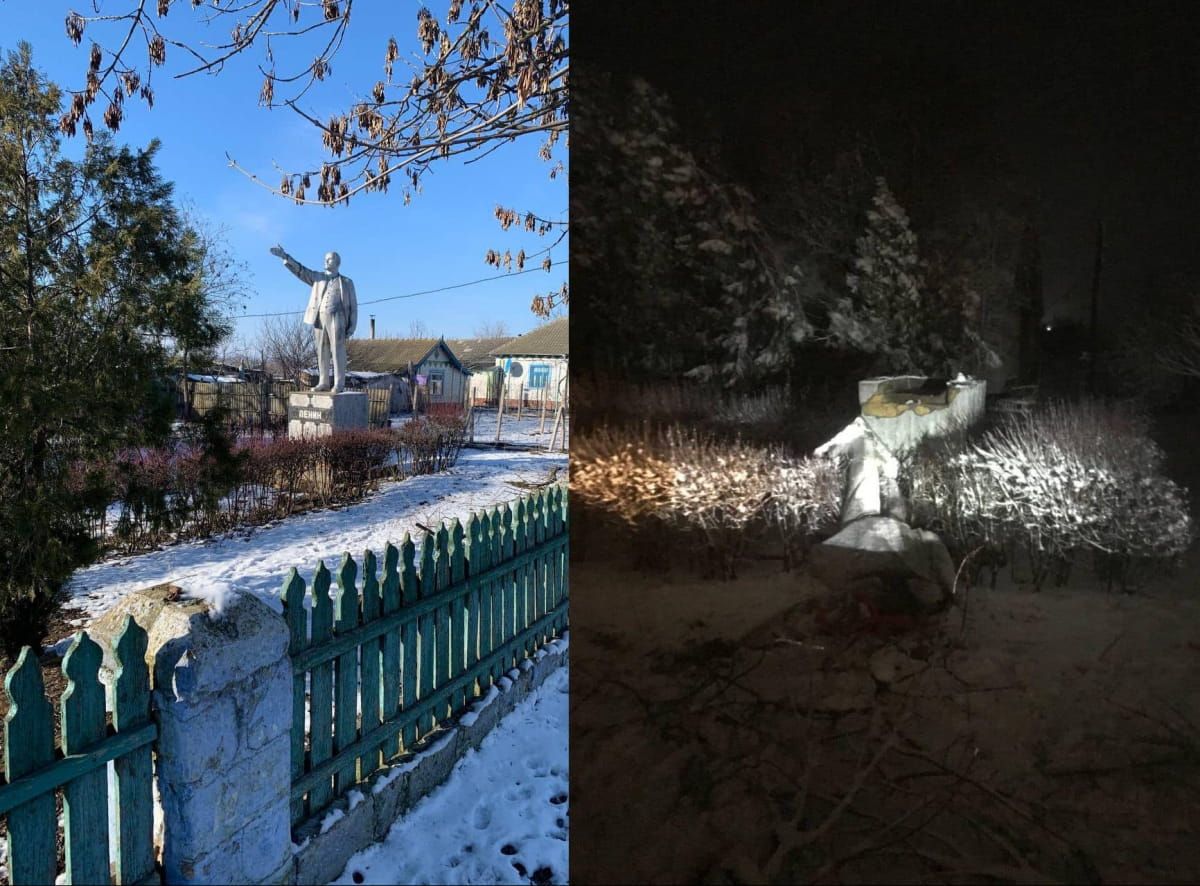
[387, 248]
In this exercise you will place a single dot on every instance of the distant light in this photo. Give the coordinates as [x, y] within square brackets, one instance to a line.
[1049, 327]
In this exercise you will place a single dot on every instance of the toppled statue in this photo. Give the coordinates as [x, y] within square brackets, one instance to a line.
[872, 473]
[332, 313]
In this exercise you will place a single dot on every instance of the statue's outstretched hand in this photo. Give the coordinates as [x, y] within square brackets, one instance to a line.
[278, 252]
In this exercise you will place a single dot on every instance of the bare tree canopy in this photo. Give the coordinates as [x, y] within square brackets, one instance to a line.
[287, 345]
[486, 74]
[491, 329]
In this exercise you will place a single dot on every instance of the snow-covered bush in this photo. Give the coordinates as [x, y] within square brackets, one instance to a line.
[806, 498]
[723, 489]
[621, 472]
[1067, 479]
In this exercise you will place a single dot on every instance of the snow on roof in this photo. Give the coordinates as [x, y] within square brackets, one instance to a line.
[219, 379]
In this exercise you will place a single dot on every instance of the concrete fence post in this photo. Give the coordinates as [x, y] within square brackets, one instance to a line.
[222, 695]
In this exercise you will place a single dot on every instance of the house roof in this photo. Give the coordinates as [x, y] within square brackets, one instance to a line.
[393, 354]
[215, 379]
[476, 353]
[549, 340]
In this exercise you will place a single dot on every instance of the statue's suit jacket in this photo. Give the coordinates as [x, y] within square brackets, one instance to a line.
[343, 291]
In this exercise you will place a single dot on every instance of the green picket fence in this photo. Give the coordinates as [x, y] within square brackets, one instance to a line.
[414, 647]
[34, 769]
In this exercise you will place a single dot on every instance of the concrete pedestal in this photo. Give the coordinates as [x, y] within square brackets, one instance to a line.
[903, 410]
[312, 414]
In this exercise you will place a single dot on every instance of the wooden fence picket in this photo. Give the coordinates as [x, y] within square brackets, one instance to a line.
[457, 662]
[520, 577]
[484, 555]
[133, 773]
[391, 644]
[497, 592]
[346, 685]
[533, 577]
[562, 585]
[321, 689]
[508, 587]
[425, 629]
[408, 591]
[28, 747]
[552, 576]
[85, 798]
[443, 617]
[540, 577]
[474, 565]
[371, 662]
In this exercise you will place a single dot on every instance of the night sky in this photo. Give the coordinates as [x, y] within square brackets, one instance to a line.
[1094, 105]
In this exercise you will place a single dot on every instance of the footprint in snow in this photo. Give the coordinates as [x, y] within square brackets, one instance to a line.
[524, 792]
[538, 767]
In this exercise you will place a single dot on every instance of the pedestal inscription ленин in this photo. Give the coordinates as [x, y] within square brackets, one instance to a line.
[317, 414]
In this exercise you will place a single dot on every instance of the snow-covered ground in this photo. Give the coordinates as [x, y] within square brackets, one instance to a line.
[500, 818]
[504, 806]
[258, 559]
[528, 430]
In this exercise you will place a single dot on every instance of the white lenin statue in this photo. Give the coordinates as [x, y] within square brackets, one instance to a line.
[332, 313]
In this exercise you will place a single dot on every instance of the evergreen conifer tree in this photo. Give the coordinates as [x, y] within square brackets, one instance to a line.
[893, 312]
[99, 278]
[882, 314]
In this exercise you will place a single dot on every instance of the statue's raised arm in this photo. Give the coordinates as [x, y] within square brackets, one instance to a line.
[306, 275]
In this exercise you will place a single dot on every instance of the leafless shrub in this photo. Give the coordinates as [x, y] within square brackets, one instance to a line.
[806, 498]
[622, 472]
[725, 490]
[1066, 479]
[765, 408]
[428, 444]
[721, 488]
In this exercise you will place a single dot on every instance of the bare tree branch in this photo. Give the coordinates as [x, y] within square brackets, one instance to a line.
[288, 346]
[484, 75]
[468, 92]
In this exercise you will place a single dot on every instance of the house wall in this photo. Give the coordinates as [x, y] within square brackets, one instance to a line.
[454, 381]
[482, 387]
[517, 390]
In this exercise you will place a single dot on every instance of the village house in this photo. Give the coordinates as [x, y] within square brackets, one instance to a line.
[439, 374]
[476, 355]
[534, 366]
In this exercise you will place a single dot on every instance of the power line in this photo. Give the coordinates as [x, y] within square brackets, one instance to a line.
[406, 295]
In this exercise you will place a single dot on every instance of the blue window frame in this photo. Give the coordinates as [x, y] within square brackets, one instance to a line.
[539, 375]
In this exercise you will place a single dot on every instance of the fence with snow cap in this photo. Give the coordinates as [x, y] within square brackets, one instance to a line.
[270, 729]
